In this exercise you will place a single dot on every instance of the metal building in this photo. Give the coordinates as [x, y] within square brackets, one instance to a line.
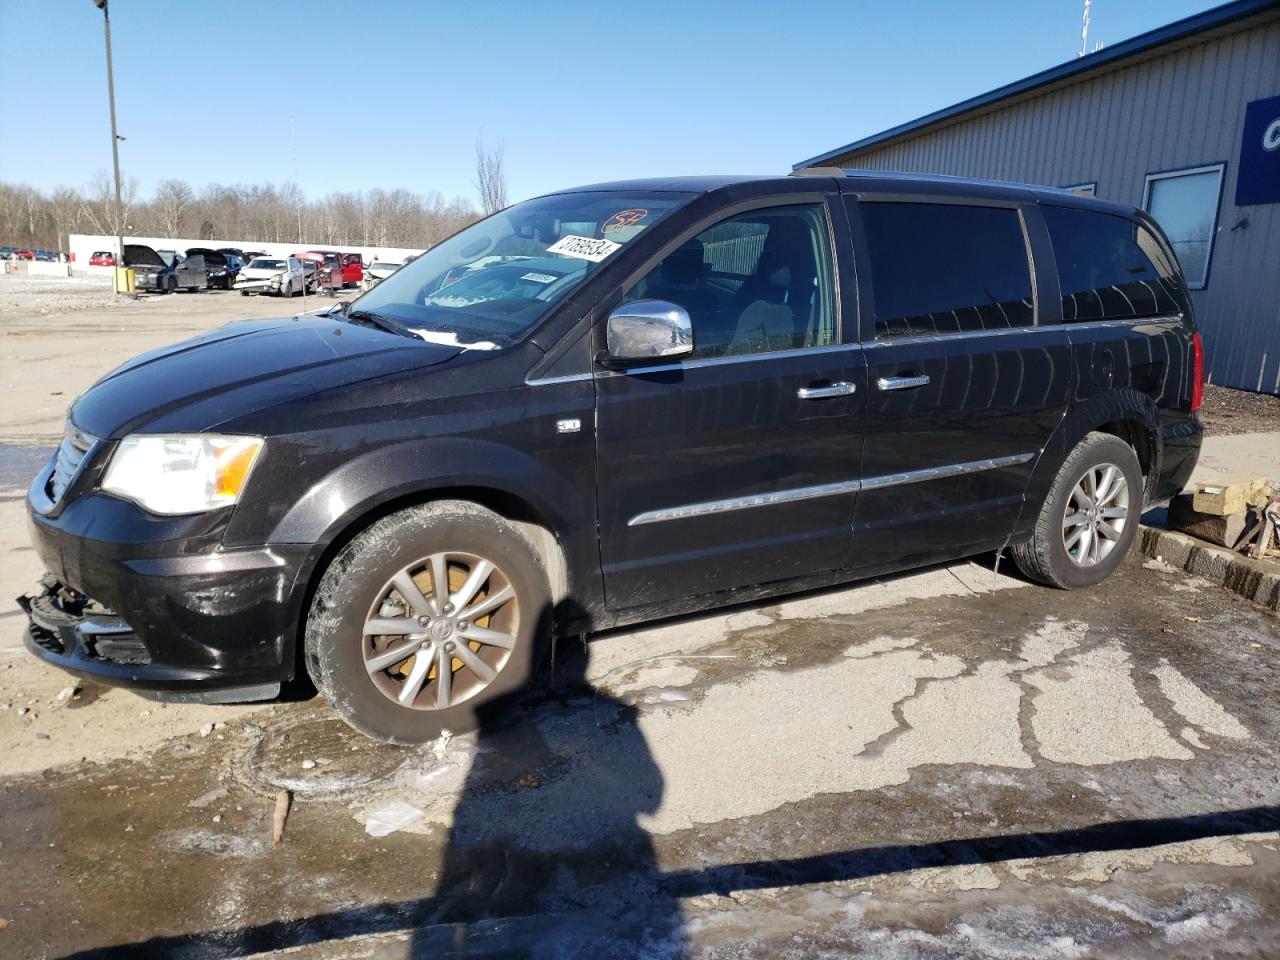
[1184, 121]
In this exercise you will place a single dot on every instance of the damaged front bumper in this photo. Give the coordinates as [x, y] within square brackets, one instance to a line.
[158, 605]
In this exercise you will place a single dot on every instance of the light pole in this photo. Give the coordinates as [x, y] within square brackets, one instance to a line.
[115, 138]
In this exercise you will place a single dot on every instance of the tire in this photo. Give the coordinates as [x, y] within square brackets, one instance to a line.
[1066, 520]
[172, 285]
[244, 293]
[358, 589]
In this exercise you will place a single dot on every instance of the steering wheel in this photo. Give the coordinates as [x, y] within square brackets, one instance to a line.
[469, 254]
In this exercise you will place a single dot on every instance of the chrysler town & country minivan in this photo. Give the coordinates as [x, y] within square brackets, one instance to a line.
[612, 404]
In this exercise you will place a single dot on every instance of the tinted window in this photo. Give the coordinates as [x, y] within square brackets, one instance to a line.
[754, 283]
[946, 268]
[1109, 267]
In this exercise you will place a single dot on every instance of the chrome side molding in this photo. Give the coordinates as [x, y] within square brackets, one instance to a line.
[708, 507]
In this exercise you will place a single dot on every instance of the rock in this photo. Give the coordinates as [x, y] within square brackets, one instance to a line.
[308, 764]
[217, 818]
[23, 711]
[206, 729]
[66, 693]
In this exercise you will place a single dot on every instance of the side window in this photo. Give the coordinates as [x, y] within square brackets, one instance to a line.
[757, 282]
[947, 268]
[1110, 267]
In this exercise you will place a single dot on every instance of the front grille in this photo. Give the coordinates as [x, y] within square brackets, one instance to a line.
[72, 451]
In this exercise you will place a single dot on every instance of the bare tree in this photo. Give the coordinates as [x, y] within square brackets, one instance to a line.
[100, 205]
[244, 212]
[172, 199]
[491, 176]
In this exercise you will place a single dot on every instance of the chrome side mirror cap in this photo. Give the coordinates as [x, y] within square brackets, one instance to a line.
[648, 330]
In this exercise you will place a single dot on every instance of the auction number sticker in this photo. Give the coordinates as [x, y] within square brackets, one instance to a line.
[585, 248]
[539, 277]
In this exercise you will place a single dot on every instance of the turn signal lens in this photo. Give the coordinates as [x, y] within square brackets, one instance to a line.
[1197, 372]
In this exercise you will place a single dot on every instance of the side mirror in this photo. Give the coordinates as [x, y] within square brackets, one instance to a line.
[647, 330]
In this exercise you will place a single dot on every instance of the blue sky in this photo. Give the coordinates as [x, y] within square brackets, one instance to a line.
[394, 93]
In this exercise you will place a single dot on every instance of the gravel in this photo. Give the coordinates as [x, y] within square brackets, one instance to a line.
[1228, 411]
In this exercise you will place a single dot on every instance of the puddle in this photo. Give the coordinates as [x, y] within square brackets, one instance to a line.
[19, 463]
[319, 758]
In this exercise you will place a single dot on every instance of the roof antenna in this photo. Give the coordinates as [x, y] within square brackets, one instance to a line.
[1084, 33]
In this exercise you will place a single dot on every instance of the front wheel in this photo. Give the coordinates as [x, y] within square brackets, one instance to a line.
[1090, 517]
[425, 617]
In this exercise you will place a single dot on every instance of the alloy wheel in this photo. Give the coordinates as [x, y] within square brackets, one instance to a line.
[1095, 515]
[441, 630]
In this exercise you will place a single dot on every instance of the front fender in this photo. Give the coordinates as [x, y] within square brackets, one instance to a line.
[386, 474]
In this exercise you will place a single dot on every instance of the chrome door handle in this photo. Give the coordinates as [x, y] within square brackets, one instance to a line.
[902, 383]
[838, 389]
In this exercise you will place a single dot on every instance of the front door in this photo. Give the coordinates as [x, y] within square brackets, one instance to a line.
[738, 465]
[964, 389]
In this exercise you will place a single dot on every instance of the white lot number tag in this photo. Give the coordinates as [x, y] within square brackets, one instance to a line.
[584, 248]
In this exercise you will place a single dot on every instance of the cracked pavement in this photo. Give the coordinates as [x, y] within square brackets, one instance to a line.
[951, 763]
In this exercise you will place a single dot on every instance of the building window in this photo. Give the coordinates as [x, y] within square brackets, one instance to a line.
[1185, 204]
[1083, 189]
[947, 268]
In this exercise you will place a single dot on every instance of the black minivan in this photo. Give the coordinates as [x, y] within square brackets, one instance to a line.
[612, 404]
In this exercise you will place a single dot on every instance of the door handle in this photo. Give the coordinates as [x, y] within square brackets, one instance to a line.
[902, 383]
[838, 389]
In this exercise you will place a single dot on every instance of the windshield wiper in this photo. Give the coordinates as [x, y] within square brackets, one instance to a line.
[376, 320]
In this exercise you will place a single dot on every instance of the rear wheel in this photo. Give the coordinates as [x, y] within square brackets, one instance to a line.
[425, 617]
[1090, 517]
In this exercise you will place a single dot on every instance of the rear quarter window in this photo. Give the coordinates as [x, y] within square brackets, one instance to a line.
[1110, 267]
[947, 268]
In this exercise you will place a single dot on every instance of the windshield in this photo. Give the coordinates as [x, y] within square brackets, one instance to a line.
[267, 265]
[492, 281]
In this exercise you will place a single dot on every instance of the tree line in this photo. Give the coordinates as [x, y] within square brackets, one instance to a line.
[42, 220]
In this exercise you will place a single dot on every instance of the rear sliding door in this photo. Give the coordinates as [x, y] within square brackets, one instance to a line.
[964, 389]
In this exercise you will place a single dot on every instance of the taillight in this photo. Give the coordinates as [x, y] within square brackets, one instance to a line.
[1197, 372]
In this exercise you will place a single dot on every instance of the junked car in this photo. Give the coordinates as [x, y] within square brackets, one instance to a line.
[379, 270]
[220, 268]
[153, 271]
[646, 398]
[283, 276]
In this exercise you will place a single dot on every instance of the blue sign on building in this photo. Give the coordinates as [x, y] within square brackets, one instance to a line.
[1259, 179]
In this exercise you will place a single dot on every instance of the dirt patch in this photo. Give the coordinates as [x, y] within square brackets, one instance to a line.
[1228, 411]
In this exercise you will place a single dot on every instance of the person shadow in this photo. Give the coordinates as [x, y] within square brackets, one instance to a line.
[546, 856]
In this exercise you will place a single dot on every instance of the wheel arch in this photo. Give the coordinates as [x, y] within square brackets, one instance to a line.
[1129, 415]
[548, 521]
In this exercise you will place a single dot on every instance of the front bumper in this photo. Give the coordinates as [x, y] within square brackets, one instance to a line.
[157, 604]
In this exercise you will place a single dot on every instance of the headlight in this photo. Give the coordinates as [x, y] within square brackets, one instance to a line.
[174, 475]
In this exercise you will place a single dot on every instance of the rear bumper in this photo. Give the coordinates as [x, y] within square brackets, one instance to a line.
[171, 610]
[1179, 452]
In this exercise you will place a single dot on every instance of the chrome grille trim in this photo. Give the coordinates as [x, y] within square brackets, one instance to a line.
[73, 454]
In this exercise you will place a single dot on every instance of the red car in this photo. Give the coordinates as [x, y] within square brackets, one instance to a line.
[24, 255]
[102, 258]
[352, 269]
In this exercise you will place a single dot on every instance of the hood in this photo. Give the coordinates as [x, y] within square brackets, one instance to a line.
[212, 258]
[137, 255]
[240, 368]
[261, 273]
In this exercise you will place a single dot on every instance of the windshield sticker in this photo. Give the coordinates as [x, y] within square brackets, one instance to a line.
[624, 218]
[540, 277]
[584, 248]
[450, 339]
